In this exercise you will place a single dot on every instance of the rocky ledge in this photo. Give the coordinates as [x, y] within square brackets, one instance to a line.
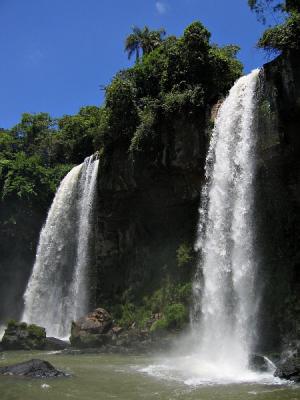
[98, 332]
[34, 368]
[22, 336]
[289, 369]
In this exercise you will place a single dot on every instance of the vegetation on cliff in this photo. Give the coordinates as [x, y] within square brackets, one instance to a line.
[282, 37]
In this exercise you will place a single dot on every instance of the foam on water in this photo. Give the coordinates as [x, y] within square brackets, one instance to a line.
[191, 371]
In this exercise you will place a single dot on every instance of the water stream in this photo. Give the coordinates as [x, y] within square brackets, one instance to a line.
[225, 297]
[56, 293]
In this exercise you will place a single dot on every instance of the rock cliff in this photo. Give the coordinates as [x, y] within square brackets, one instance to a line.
[278, 203]
[147, 206]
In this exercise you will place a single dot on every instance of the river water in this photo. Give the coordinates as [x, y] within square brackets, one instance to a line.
[103, 377]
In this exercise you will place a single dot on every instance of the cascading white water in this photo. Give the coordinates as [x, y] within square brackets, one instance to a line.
[224, 290]
[56, 293]
[225, 298]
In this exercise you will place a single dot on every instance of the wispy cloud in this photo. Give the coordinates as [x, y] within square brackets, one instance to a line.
[161, 7]
[34, 58]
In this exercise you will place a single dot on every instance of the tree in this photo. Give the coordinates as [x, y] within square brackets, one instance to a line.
[281, 37]
[266, 7]
[143, 40]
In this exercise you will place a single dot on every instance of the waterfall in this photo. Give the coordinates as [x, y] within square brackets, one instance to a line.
[56, 292]
[225, 294]
[225, 303]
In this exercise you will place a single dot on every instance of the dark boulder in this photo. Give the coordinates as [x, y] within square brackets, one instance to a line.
[53, 343]
[289, 369]
[20, 336]
[33, 369]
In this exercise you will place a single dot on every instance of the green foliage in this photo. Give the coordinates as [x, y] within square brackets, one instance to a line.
[127, 315]
[32, 129]
[11, 324]
[23, 177]
[176, 76]
[122, 112]
[264, 7]
[36, 331]
[171, 300]
[159, 326]
[77, 135]
[146, 130]
[283, 37]
[189, 99]
[184, 255]
[176, 316]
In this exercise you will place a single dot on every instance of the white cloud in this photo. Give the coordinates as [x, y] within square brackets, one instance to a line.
[161, 7]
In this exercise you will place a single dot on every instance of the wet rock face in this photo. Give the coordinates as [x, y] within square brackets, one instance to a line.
[278, 203]
[289, 369]
[147, 206]
[20, 336]
[34, 368]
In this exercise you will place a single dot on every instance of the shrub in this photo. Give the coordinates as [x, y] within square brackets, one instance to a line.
[176, 315]
[184, 255]
[159, 326]
[36, 331]
[12, 324]
[145, 132]
[127, 315]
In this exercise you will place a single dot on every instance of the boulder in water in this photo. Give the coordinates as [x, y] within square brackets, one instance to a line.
[92, 329]
[289, 369]
[53, 343]
[34, 368]
[20, 336]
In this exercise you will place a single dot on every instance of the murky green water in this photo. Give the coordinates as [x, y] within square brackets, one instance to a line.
[99, 377]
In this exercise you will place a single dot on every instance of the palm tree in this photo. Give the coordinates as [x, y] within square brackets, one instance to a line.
[143, 40]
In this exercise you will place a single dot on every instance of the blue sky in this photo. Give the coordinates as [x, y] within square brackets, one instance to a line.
[55, 54]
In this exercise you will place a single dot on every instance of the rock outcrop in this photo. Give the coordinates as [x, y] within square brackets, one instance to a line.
[278, 203]
[98, 331]
[92, 330]
[20, 336]
[34, 368]
[289, 369]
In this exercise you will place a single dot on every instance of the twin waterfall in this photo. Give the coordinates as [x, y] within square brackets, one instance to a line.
[56, 293]
[225, 298]
[225, 301]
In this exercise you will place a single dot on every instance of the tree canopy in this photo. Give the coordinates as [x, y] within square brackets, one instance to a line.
[282, 37]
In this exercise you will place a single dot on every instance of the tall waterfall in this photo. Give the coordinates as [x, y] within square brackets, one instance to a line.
[224, 288]
[57, 290]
